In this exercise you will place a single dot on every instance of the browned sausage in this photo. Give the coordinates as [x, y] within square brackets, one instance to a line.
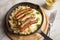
[27, 24]
[24, 17]
[23, 11]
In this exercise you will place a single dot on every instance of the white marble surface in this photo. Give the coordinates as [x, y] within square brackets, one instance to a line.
[5, 5]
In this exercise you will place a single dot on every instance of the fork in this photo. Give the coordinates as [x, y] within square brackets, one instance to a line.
[51, 19]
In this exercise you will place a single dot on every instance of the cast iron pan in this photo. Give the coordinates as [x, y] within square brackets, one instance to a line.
[34, 6]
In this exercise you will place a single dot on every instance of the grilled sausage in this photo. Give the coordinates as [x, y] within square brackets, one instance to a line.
[24, 16]
[27, 24]
[23, 11]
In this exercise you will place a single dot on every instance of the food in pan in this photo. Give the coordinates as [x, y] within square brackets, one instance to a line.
[25, 20]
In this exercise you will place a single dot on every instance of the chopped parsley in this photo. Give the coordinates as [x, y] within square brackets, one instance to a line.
[22, 22]
[38, 25]
[37, 12]
[27, 13]
[21, 8]
[38, 19]
[33, 14]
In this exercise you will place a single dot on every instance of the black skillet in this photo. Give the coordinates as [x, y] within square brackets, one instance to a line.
[34, 6]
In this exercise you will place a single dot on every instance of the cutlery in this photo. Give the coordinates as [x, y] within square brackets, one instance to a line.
[52, 18]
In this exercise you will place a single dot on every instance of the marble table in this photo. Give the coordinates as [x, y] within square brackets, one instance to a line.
[5, 5]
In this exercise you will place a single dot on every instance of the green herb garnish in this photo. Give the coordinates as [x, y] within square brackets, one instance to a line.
[27, 13]
[37, 12]
[33, 14]
[21, 8]
[38, 25]
[38, 19]
[22, 22]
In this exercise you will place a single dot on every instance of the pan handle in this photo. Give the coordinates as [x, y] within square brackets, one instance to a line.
[44, 35]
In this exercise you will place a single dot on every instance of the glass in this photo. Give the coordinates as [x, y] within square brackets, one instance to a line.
[49, 3]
